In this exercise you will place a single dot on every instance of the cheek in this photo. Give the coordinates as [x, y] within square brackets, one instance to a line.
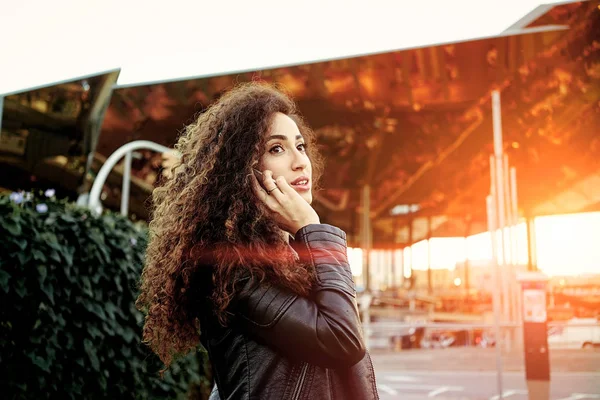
[309, 198]
[271, 163]
[264, 162]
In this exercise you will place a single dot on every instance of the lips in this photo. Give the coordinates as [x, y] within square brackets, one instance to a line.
[301, 183]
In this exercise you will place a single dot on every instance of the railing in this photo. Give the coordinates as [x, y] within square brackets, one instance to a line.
[126, 150]
[560, 334]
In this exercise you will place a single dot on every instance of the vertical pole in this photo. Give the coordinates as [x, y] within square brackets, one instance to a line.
[531, 249]
[496, 291]
[467, 267]
[497, 121]
[494, 233]
[500, 202]
[516, 309]
[366, 235]
[515, 213]
[126, 184]
[400, 261]
[509, 262]
[366, 246]
[508, 234]
[501, 223]
[466, 249]
[394, 250]
[411, 241]
[1, 110]
[393, 267]
[411, 303]
[429, 284]
[391, 270]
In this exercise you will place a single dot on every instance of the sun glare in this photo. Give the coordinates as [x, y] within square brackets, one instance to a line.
[568, 244]
[565, 245]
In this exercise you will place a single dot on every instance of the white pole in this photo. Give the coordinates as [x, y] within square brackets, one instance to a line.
[126, 184]
[515, 210]
[94, 198]
[491, 217]
[500, 202]
[497, 244]
[509, 211]
[509, 262]
[467, 282]
[515, 243]
[497, 120]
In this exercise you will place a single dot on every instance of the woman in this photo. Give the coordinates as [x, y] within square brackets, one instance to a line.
[243, 265]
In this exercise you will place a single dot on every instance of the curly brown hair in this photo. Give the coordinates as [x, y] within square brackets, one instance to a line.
[207, 216]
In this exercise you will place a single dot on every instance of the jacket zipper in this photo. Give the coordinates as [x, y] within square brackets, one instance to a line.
[298, 389]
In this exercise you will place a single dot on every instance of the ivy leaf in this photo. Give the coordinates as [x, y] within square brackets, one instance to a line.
[108, 329]
[55, 256]
[48, 288]
[68, 219]
[44, 365]
[24, 257]
[128, 335]
[113, 310]
[68, 255]
[91, 352]
[21, 244]
[38, 255]
[43, 272]
[94, 332]
[13, 227]
[96, 309]
[4, 277]
[21, 289]
[87, 286]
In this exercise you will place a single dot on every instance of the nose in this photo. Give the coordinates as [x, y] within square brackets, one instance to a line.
[300, 161]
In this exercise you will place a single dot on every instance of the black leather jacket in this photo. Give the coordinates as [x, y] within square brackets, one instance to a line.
[283, 346]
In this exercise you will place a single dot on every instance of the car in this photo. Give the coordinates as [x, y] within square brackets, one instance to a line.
[575, 333]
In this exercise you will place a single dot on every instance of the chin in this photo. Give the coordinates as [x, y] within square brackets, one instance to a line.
[308, 197]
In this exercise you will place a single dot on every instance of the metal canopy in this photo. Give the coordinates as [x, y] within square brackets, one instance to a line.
[413, 124]
[416, 124]
[48, 133]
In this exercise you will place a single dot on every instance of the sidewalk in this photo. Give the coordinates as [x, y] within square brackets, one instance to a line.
[481, 359]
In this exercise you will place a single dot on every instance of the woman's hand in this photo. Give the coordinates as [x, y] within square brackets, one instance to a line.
[289, 209]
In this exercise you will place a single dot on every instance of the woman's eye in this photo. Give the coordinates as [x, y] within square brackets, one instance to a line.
[301, 147]
[276, 149]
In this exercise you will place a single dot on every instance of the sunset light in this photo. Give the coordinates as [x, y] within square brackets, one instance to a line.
[566, 245]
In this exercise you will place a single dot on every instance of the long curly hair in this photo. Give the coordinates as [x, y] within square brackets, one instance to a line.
[207, 216]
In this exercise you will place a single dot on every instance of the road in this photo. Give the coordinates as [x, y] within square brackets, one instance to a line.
[482, 385]
[470, 374]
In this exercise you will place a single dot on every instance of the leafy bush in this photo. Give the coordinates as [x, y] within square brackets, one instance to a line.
[68, 324]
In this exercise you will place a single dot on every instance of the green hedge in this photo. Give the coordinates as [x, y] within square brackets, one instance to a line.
[68, 324]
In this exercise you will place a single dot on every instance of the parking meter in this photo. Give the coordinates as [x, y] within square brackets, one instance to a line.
[535, 334]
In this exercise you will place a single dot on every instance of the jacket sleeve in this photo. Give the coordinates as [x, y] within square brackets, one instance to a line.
[323, 329]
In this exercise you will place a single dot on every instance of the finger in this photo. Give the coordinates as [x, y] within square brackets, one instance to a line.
[284, 187]
[269, 183]
[269, 201]
[258, 190]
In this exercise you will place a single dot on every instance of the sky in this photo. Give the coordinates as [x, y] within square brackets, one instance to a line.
[47, 41]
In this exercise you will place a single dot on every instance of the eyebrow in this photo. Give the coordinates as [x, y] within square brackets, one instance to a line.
[283, 137]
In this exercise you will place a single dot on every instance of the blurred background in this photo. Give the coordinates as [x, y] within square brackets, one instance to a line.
[402, 99]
